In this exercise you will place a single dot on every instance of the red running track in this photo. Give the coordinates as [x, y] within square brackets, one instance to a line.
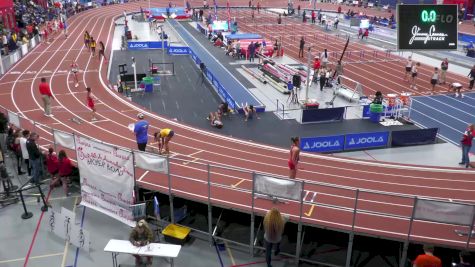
[330, 182]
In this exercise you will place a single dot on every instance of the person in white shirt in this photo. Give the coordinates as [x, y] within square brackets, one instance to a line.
[24, 151]
[324, 58]
[414, 75]
[456, 87]
[435, 79]
[409, 64]
[5, 43]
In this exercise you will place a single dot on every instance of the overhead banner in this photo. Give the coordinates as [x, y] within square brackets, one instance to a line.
[276, 187]
[444, 212]
[64, 139]
[107, 178]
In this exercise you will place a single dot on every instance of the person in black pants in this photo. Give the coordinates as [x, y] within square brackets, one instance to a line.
[302, 45]
[471, 75]
[252, 51]
[323, 78]
[35, 157]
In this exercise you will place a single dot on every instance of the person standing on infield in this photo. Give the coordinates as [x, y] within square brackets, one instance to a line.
[46, 96]
[467, 140]
[294, 157]
[444, 66]
[141, 132]
[301, 46]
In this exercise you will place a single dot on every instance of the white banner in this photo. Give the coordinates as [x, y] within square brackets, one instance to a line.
[107, 178]
[24, 49]
[14, 119]
[64, 139]
[80, 237]
[443, 212]
[276, 187]
[151, 162]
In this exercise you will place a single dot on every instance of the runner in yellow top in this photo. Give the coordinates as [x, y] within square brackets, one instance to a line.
[92, 43]
[163, 137]
[87, 37]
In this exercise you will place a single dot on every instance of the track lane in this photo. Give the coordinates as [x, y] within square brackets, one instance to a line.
[78, 103]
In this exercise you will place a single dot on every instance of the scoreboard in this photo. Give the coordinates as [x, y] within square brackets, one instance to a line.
[427, 27]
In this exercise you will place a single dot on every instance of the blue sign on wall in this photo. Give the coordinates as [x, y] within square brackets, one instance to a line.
[323, 144]
[145, 45]
[366, 140]
[178, 50]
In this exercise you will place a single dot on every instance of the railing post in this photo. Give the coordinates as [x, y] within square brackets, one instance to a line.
[251, 247]
[470, 231]
[170, 196]
[210, 218]
[406, 243]
[299, 228]
[54, 141]
[349, 252]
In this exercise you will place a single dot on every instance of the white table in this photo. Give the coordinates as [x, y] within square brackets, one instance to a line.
[152, 250]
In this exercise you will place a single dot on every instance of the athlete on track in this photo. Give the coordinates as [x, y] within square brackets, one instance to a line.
[90, 103]
[74, 71]
[408, 68]
[163, 137]
[102, 51]
[87, 37]
[92, 44]
[414, 75]
[294, 157]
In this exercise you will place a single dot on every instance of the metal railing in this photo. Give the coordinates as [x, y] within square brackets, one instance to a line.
[342, 208]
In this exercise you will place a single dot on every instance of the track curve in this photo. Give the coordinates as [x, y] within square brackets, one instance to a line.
[385, 189]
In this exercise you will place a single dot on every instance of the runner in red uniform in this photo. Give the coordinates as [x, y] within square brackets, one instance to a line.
[74, 71]
[294, 157]
[90, 103]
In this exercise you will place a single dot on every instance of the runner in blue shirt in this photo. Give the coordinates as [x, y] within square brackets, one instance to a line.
[141, 132]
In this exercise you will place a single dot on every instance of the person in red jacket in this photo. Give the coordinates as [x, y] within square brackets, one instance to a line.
[427, 259]
[52, 167]
[65, 168]
[46, 96]
[467, 145]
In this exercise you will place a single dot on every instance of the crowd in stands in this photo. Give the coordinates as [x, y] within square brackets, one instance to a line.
[31, 160]
[33, 20]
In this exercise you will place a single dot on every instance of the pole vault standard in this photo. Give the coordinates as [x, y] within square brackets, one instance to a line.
[342, 54]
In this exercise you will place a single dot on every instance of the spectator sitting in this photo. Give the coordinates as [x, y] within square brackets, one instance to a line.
[237, 49]
[218, 42]
[249, 112]
[223, 109]
[215, 120]
[378, 98]
[64, 170]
